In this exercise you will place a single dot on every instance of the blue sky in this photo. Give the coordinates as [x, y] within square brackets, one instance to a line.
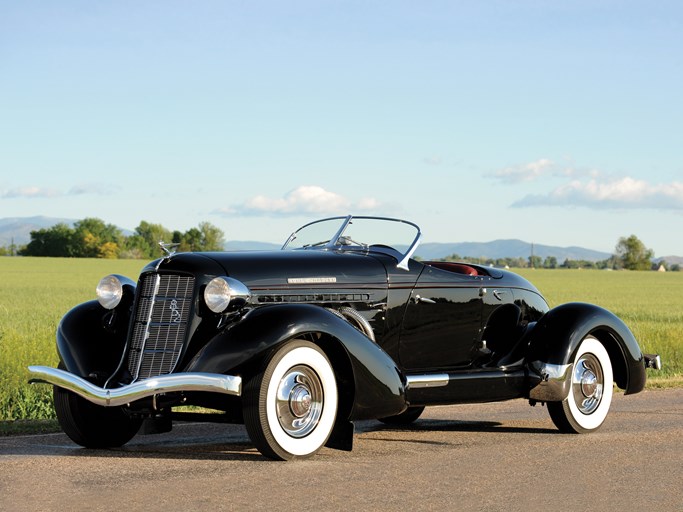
[554, 122]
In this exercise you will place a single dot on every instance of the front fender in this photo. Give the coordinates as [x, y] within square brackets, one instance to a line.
[91, 339]
[554, 340]
[378, 385]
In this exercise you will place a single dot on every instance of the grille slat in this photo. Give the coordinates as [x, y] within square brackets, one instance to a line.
[161, 319]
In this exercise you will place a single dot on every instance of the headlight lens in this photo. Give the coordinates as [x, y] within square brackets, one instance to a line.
[217, 295]
[225, 292]
[109, 291]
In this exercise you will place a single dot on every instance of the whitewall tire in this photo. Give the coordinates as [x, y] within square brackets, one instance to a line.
[590, 394]
[290, 408]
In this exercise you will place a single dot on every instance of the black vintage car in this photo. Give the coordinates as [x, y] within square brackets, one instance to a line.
[340, 325]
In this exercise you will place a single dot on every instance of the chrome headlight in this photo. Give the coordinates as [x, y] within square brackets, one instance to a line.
[110, 290]
[225, 292]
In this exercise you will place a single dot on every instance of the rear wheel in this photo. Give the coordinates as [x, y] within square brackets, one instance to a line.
[291, 406]
[93, 426]
[405, 418]
[590, 394]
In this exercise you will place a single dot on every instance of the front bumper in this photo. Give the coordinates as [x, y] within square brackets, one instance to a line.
[172, 383]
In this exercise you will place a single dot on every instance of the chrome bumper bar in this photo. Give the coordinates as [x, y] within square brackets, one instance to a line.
[176, 382]
[555, 381]
[653, 361]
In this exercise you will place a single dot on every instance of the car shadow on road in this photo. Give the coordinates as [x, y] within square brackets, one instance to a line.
[430, 425]
[195, 442]
[175, 451]
[198, 443]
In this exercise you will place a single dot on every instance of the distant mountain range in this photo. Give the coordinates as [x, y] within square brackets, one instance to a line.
[671, 260]
[496, 249]
[18, 229]
[237, 245]
[507, 249]
[484, 250]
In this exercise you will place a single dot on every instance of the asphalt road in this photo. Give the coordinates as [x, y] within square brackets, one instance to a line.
[505, 456]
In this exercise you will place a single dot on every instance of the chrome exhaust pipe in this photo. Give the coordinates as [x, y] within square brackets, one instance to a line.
[176, 382]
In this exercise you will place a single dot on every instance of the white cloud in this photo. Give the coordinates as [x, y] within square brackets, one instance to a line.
[30, 193]
[525, 172]
[305, 199]
[542, 168]
[92, 188]
[625, 192]
[367, 204]
[591, 188]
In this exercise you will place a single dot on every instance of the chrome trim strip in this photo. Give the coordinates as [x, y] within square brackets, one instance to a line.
[435, 380]
[311, 280]
[210, 382]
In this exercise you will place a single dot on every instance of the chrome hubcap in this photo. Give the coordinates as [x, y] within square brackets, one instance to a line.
[299, 401]
[587, 383]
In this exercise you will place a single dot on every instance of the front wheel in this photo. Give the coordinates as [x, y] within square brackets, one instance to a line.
[93, 426]
[590, 393]
[291, 406]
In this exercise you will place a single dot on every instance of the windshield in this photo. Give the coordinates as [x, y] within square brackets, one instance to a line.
[364, 233]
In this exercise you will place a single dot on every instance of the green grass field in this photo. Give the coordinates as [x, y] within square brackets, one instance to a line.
[36, 292]
[34, 295]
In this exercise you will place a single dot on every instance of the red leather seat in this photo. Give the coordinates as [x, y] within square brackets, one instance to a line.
[458, 268]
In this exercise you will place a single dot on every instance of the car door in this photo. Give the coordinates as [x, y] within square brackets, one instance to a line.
[442, 322]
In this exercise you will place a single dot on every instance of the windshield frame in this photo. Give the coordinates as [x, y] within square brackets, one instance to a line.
[334, 242]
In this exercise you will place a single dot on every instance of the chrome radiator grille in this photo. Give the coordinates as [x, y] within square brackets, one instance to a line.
[161, 318]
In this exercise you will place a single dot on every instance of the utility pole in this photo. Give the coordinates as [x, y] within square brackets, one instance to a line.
[532, 255]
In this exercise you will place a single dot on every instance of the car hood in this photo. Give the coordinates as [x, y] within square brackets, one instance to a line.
[301, 269]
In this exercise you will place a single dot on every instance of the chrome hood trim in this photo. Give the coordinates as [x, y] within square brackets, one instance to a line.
[176, 382]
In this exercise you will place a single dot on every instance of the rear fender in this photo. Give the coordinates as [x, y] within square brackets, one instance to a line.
[554, 340]
[378, 385]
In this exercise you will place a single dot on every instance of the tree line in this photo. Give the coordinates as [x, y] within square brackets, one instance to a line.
[630, 254]
[93, 238]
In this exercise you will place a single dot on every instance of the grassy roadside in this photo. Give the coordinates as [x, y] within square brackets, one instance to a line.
[28, 427]
[664, 382]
